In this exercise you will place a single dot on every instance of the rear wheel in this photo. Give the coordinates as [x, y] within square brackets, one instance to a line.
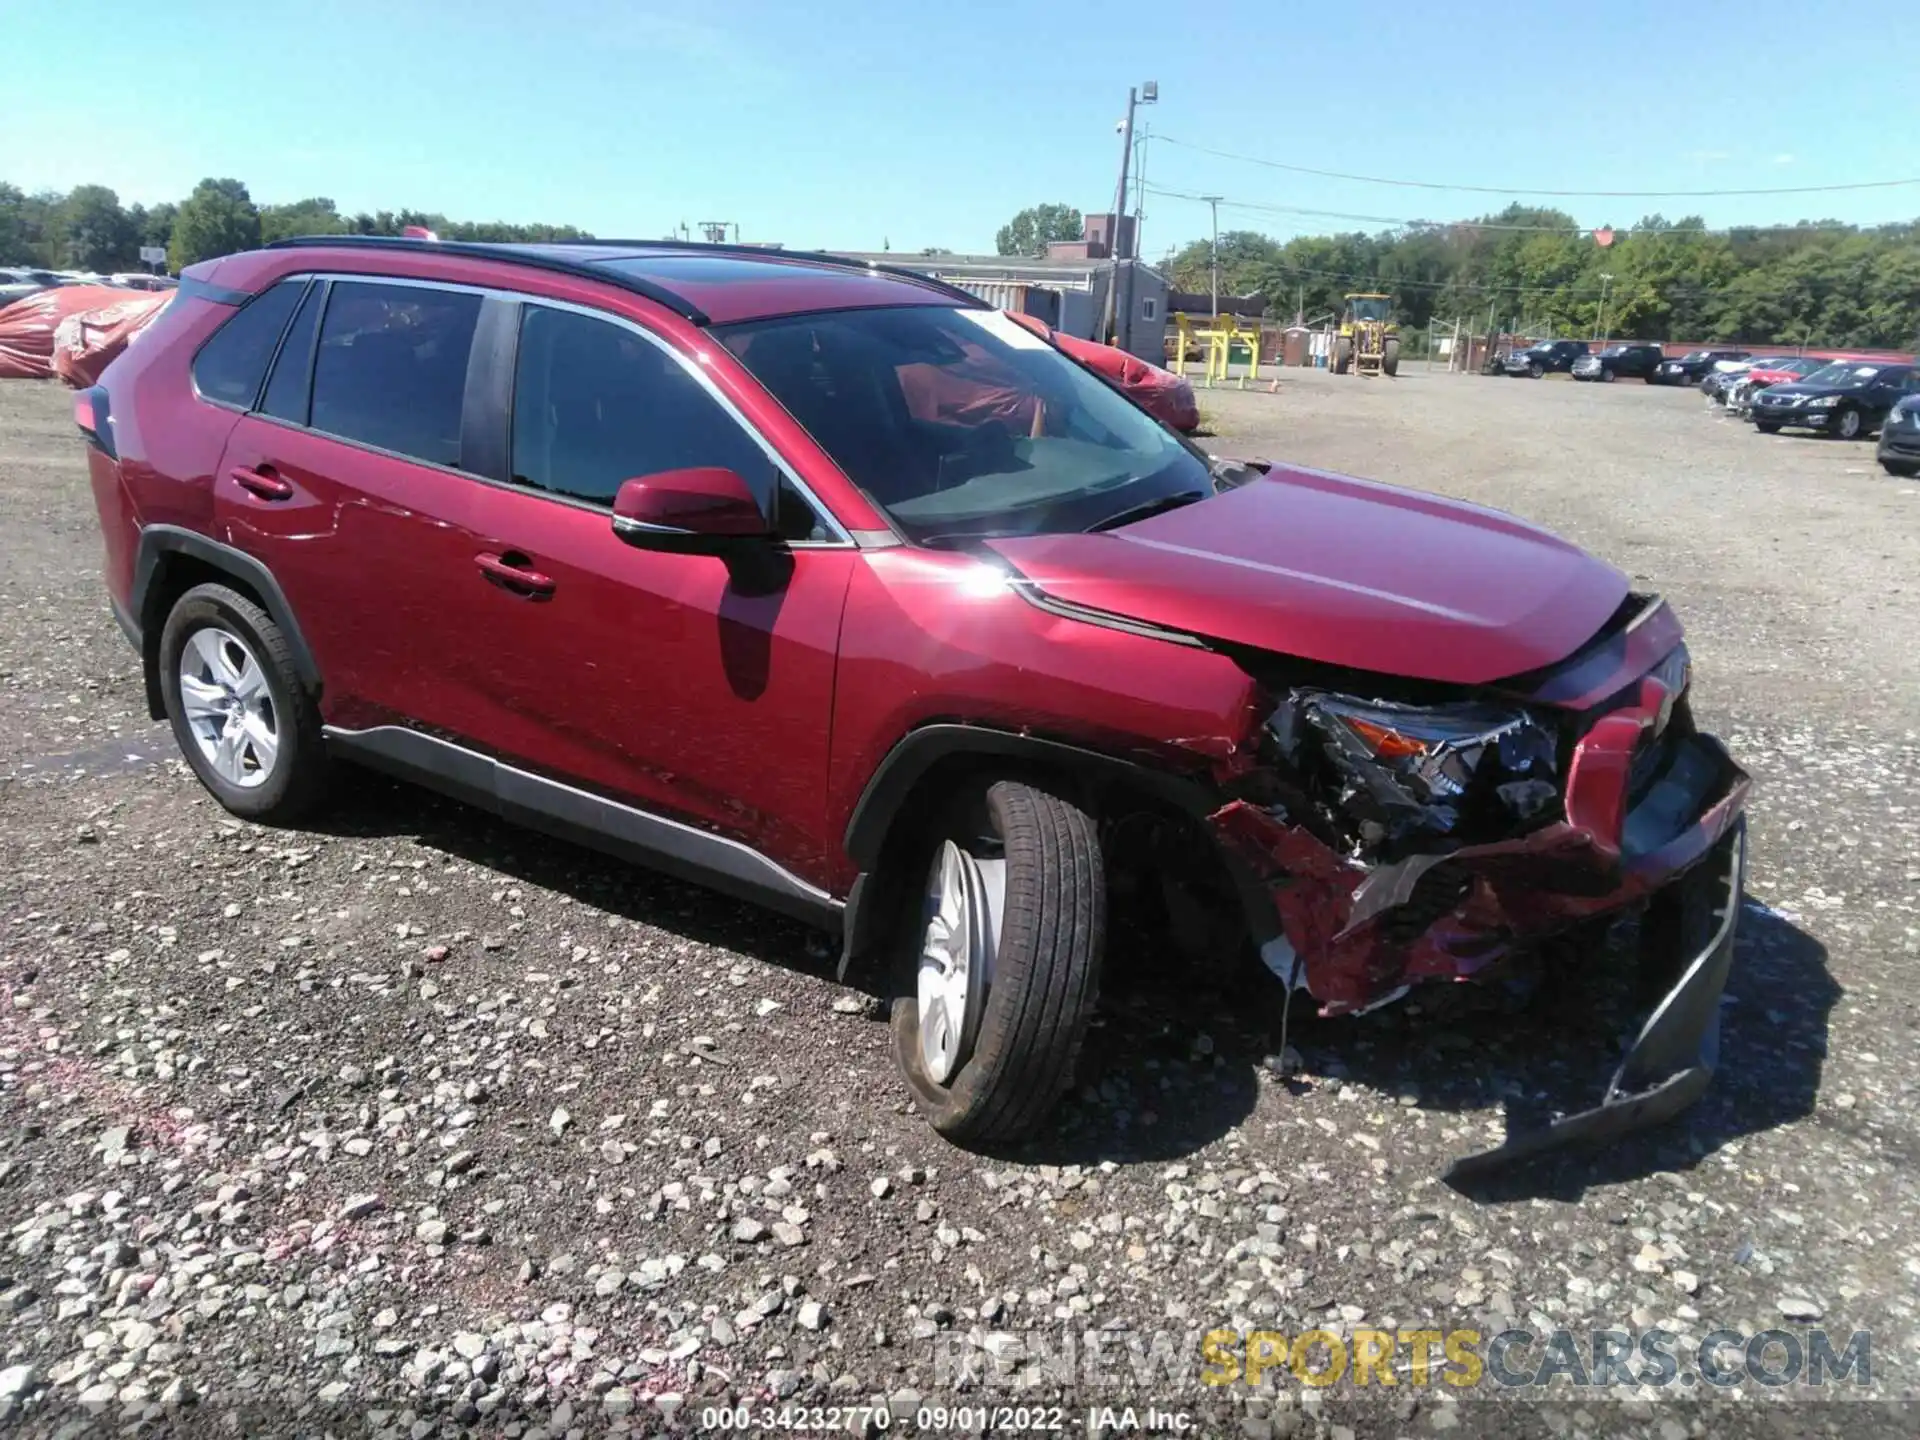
[241, 717]
[1005, 963]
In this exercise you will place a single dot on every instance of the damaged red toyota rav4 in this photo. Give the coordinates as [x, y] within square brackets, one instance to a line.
[828, 586]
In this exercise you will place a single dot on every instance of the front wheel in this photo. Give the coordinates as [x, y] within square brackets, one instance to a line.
[1849, 424]
[1005, 965]
[1390, 356]
[240, 715]
[1608, 376]
[1535, 370]
[1905, 469]
[1767, 427]
[1342, 355]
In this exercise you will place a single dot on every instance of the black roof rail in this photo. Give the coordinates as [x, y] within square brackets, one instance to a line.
[520, 252]
[808, 257]
[509, 254]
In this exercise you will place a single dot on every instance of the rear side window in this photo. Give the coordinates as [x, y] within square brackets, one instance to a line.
[230, 366]
[286, 397]
[391, 368]
[594, 404]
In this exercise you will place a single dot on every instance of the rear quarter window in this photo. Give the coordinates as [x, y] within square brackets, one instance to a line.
[233, 362]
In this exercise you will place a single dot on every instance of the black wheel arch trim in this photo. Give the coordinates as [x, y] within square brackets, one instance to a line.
[157, 542]
[907, 763]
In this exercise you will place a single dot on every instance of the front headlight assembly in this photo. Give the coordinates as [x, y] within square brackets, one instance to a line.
[1462, 771]
[1823, 402]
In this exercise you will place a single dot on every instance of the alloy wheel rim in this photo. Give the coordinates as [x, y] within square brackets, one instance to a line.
[1849, 423]
[229, 708]
[958, 946]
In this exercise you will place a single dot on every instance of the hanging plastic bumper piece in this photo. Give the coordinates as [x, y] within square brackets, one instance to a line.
[1670, 1064]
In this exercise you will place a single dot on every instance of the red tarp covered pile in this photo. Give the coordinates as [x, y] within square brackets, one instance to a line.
[72, 331]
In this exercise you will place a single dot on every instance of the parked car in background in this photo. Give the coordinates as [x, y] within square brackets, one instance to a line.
[1899, 452]
[141, 280]
[1721, 375]
[680, 551]
[1691, 368]
[1547, 356]
[1633, 361]
[1168, 397]
[1847, 398]
[14, 284]
[1768, 370]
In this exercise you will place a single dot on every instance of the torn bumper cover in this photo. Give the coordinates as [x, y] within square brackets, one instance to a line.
[1362, 933]
[1671, 1062]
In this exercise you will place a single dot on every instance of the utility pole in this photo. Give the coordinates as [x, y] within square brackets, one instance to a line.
[1145, 94]
[1605, 281]
[1213, 202]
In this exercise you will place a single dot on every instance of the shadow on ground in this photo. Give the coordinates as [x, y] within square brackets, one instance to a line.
[373, 806]
[1172, 1063]
[1553, 1052]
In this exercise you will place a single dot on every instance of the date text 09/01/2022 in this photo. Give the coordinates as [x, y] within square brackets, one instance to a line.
[944, 1419]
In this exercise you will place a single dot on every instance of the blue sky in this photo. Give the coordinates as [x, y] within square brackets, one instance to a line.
[855, 123]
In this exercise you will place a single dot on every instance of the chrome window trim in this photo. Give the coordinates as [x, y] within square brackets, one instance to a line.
[842, 538]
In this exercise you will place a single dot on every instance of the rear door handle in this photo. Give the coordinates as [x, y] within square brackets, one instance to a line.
[514, 571]
[260, 481]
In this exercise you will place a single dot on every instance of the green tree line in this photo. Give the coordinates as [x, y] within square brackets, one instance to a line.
[87, 228]
[1818, 283]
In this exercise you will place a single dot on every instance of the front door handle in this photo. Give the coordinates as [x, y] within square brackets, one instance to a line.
[515, 572]
[260, 482]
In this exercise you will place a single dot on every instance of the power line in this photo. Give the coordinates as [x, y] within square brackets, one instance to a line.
[1528, 190]
[1400, 222]
[1371, 219]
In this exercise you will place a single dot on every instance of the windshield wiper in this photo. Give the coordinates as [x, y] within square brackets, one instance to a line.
[1175, 501]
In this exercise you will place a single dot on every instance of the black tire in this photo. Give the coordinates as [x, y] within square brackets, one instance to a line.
[1767, 427]
[1608, 376]
[1535, 370]
[1848, 424]
[1047, 971]
[1342, 354]
[1905, 469]
[1390, 356]
[298, 774]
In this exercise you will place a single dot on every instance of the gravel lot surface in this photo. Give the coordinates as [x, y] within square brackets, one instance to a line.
[409, 1121]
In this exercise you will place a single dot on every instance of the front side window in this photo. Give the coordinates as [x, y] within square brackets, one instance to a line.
[596, 404]
[231, 365]
[962, 424]
[391, 368]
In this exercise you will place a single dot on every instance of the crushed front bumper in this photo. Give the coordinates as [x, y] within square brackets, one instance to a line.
[1363, 935]
[1672, 1060]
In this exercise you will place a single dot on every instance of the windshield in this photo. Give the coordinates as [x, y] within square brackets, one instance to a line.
[962, 424]
[1370, 307]
[1844, 375]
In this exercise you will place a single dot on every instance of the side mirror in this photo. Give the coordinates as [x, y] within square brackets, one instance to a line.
[687, 509]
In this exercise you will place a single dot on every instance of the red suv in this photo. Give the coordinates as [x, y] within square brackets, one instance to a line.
[829, 586]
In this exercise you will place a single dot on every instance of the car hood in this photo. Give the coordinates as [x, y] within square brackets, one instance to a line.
[1343, 572]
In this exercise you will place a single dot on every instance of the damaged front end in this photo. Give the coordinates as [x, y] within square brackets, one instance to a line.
[1402, 841]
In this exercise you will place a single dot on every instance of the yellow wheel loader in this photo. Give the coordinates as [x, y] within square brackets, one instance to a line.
[1369, 339]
